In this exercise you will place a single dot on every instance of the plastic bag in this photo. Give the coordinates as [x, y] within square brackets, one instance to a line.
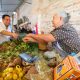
[43, 70]
[48, 75]
[44, 76]
[41, 66]
[35, 77]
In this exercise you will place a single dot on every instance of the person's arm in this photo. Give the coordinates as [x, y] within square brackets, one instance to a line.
[4, 32]
[44, 37]
[29, 39]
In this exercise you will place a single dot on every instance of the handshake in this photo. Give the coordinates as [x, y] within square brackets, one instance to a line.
[29, 38]
[25, 37]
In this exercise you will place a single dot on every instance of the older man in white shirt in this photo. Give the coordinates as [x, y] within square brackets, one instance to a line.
[3, 29]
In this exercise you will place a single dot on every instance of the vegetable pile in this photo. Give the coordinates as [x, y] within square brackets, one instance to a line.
[15, 47]
[21, 70]
[13, 73]
[12, 67]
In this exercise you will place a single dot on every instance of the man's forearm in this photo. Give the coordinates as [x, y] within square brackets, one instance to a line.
[6, 33]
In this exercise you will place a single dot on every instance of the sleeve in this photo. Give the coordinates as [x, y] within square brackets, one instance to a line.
[60, 34]
[53, 33]
[2, 28]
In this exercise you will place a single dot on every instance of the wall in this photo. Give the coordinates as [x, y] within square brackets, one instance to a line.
[41, 11]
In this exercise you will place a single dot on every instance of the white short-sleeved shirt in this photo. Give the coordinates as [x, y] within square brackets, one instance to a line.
[3, 38]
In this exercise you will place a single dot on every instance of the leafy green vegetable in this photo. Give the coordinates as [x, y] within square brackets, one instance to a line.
[15, 47]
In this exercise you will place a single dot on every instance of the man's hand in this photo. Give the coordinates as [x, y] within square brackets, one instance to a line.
[14, 35]
[7, 33]
[28, 39]
[30, 35]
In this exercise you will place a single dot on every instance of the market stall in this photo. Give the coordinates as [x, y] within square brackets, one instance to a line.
[55, 57]
[14, 67]
[25, 61]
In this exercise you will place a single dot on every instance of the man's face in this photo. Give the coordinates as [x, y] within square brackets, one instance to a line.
[6, 21]
[56, 21]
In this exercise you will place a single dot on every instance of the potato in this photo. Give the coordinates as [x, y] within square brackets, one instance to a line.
[17, 61]
[11, 65]
[36, 77]
[4, 65]
[32, 70]
[53, 62]
[27, 64]
[26, 69]
[0, 74]
[1, 67]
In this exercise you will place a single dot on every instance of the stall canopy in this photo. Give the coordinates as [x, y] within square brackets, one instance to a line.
[9, 6]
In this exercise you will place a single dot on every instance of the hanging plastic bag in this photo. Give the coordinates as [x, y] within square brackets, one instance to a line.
[36, 77]
[41, 66]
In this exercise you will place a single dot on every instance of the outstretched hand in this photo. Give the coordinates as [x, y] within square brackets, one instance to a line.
[28, 39]
[29, 35]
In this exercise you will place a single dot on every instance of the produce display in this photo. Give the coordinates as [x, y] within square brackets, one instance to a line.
[21, 70]
[12, 73]
[16, 70]
[12, 67]
[43, 70]
[15, 47]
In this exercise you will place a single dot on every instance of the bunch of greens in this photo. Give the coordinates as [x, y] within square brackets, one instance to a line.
[15, 47]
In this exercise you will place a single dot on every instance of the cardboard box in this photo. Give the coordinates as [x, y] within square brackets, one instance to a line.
[68, 69]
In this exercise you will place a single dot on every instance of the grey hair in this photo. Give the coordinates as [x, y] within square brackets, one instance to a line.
[66, 16]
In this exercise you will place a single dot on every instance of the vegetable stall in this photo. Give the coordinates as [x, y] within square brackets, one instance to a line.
[13, 67]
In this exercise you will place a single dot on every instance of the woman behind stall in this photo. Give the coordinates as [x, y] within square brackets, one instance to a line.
[63, 33]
